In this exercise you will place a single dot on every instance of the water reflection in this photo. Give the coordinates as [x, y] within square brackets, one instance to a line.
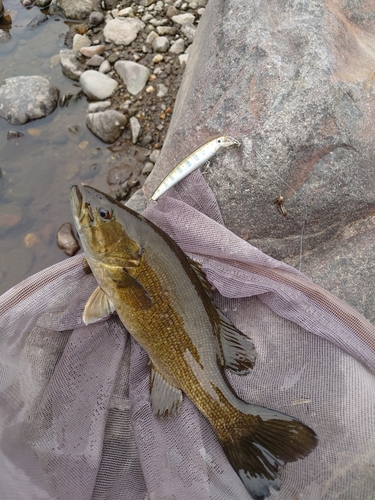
[54, 152]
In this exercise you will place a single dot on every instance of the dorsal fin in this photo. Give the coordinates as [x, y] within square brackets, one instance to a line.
[197, 267]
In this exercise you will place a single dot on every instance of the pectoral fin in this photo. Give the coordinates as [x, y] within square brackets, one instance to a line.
[165, 398]
[138, 292]
[238, 351]
[97, 307]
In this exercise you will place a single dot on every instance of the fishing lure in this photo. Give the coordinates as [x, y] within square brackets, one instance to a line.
[195, 160]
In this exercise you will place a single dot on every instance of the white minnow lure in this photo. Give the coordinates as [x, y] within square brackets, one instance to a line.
[195, 160]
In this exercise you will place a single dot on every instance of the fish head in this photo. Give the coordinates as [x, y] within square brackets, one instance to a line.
[104, 225]
[225, 141]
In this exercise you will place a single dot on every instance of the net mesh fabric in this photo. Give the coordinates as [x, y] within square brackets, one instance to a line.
[76, 420]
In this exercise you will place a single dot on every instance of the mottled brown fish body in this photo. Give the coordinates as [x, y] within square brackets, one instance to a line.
[164, 301]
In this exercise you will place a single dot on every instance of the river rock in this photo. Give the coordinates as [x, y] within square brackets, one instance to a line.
[105, 67]
[71, 63]
[295, 85]
[96, 85]
[122, 30]
[160, 44]
[134, 75]
[80, 41]
[39, 19]
[95, 61]
[183, 18]
[42, 3]
[177, 47]
[96, 18]
[107, 125]
[135, 128]
[66, 240]
[92, 50]
[26, 98]
[75, 9]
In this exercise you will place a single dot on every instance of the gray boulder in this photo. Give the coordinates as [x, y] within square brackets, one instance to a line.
[107, 125]
[295, 85]
[26, 98]
[75, 9]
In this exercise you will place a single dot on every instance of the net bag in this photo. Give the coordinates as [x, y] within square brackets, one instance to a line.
[76, 420]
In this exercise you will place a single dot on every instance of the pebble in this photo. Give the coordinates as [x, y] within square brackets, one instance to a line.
[13, 134]
[189, 31]
[94, 107]
[127, 12]
[154, 155]
[177, 47]
[105, 67]
[135, 128]
[158, 58]
[66, 239]
[95, 61]
[147, 168]
[183, 59]
[161, 90]
[107, 125]
[80, 41]
[171, 11]
[151, 37]
[122, 30]
[160, 44]
[96, 85]
[96, 18]
[92, 50]
[134, 75]
[31, 239]
[183, 18]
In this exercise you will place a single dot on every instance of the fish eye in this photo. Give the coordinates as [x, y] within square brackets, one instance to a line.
[105, 214]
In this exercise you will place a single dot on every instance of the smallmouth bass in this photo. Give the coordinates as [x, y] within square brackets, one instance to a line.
[164, 301]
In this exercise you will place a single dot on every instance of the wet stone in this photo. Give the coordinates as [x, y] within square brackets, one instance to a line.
[118, 175]
[107, 125]
[66, 240]
[13, 134]
[71, 63]
[80, 41]
[26, 98]
[39, 19]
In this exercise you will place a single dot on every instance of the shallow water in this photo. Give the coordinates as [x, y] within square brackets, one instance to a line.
[55, 153]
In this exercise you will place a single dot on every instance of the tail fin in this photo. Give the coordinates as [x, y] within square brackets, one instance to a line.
[267, 440]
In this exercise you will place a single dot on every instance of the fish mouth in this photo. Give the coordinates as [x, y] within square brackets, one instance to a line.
[76, 200]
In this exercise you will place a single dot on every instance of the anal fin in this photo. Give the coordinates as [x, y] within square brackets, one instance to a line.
[238, 350]
[97, 307]
[165, 398]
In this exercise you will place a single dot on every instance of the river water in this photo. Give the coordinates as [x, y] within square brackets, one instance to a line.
[55, 152]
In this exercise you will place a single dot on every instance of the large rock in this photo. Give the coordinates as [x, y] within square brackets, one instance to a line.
[134, 75]
[122, 30]
[294, 82]
[26, 98]
[96, 85]
[75, 9]
[107, 125]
